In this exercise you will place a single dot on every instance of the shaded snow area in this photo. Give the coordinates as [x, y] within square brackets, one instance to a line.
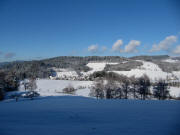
[150, 69]
[55, 87]
[68, 115]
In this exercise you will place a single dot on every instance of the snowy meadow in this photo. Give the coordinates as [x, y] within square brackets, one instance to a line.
[86, 116]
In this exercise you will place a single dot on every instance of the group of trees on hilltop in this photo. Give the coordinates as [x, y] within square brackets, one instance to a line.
[13, 72]
[8, 82]
[30, 69]
[43, 68]
[114, 86]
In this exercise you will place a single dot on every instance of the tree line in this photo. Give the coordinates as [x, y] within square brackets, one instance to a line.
[110, 85]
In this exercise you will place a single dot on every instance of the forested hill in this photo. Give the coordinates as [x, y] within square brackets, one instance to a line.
[43, 68]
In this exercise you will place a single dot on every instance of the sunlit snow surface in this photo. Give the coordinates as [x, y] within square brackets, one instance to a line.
[68, 115]
[46, 87]
[171, 61]
[96, 66]
[150, 69]
[153, 71]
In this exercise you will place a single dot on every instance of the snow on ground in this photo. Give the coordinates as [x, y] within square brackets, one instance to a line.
[150, 69]
[67, 74]
[170, 60]
[46, 87]
[174, 91]
[83, 92]
[96, 66]
[62, 73]
[177, 74]
[68, 115]
[54, 87]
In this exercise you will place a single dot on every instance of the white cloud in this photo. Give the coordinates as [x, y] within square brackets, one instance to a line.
[131, 46]
[103, 48]
[117, 45]
[164, 44]
[176, 51]
[93, 48]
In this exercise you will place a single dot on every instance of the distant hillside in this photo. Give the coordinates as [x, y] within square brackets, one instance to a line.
[44, 68]
[150, 58]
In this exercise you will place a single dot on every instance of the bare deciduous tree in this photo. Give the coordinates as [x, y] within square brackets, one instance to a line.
[160, 90]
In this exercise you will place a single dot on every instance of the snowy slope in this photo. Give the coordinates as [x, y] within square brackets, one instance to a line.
[153, 71]
[171, 60]
[150, 69]
[98, 66]
[84, 116]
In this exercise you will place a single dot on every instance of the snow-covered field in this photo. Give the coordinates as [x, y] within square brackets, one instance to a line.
[46, 87]
[54, 87]
[171, 60]
[68, 115]
[150, 69]
[174, 91]
[97, 66]
[153, 71]
[55, 113]
[69, 73]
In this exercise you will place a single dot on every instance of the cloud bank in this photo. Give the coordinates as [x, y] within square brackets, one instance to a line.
[165, 44]
[132, 47]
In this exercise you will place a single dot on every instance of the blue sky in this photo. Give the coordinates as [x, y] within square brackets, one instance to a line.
[33, 29]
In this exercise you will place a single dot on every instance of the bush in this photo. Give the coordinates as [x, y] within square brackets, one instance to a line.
[31, 94]
[69, 89]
